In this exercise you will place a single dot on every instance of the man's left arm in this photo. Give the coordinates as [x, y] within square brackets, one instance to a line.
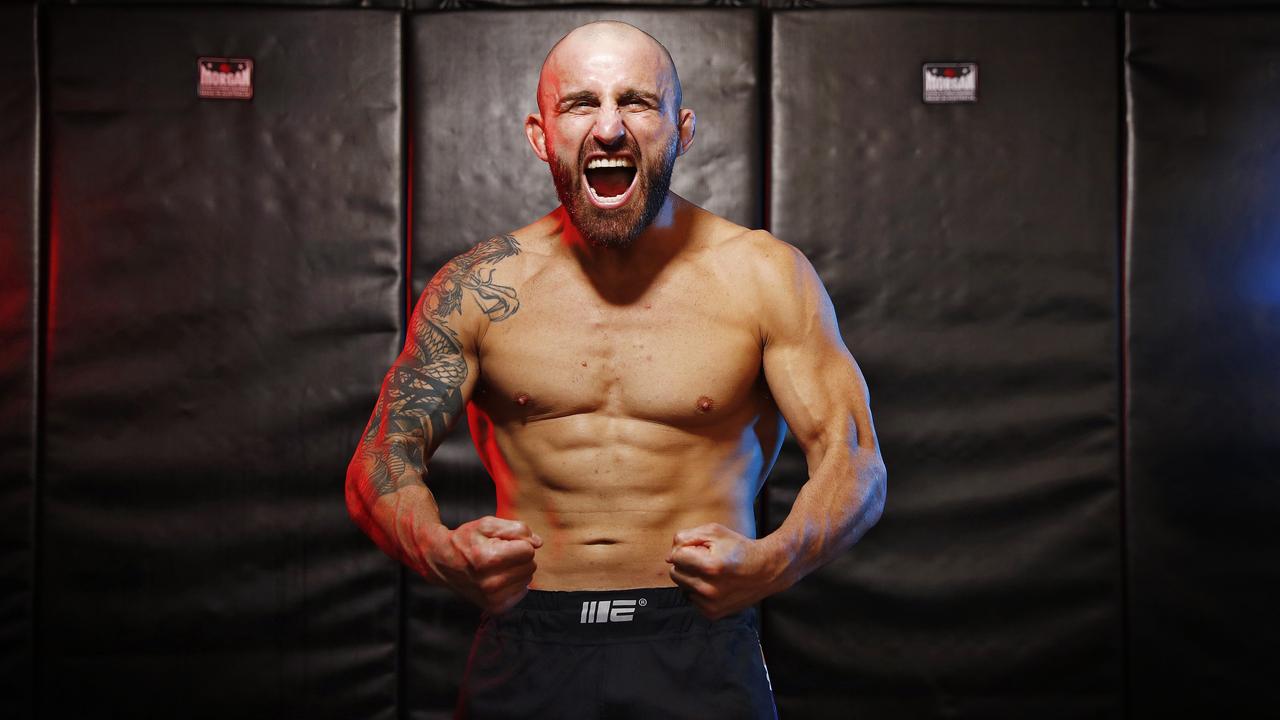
[823, 396]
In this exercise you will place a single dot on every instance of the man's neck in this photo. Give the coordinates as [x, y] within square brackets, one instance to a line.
[622, 274]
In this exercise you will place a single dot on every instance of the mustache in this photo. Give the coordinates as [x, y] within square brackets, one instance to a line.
[592, 146]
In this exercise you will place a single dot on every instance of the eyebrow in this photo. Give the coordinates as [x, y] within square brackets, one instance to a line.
[627, 95]
[574, 97]
[630, 94]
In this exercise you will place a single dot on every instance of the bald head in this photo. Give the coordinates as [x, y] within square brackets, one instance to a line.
[609, 92]
[585, 44]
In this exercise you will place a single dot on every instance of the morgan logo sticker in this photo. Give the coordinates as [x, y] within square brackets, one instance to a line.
[950, 82]
[223, 78]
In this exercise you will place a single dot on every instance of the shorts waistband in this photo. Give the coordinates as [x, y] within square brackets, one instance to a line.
[591, 616]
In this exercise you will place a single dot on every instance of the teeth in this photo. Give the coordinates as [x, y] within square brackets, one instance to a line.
[610, 162]
[609, 199]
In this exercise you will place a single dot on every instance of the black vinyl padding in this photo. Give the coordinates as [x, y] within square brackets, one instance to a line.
[1003, 4]
[620, 5]
[230, 5]
[448, 5]
[1204, 365]
[1175, 6]
[225, 295]
[971, 254]
[473, 78]
[18, 337]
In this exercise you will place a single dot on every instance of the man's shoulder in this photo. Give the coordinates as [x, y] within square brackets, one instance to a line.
[507, 253]
[758, 245]
[759, 256]
[484, 256]
[484, 276]
[490, 250]
[775, 281]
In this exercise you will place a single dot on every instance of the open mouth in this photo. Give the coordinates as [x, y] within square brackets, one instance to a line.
[610, 180]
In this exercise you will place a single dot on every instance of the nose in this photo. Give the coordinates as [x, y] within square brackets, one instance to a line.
[608, 129]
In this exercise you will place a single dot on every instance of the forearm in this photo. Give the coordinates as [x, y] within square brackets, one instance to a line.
[488, 561]
[842, 499]
[401, 517]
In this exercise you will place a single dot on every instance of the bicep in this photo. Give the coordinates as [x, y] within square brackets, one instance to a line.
[430, 382]
[423, 394]
[811, 374]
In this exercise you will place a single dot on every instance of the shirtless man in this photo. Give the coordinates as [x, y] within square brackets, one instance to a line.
[629, 364]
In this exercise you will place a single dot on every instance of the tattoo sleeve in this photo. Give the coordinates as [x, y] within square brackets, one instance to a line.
[421, 395]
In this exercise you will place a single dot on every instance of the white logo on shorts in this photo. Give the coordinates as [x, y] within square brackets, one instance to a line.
[607, 611]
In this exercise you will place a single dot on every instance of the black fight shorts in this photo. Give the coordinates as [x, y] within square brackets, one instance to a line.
[645, 653]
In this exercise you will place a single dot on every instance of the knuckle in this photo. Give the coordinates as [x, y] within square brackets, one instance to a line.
[487, 557]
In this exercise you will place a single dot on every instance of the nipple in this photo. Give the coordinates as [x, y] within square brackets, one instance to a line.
[705, 404]
[522, 399]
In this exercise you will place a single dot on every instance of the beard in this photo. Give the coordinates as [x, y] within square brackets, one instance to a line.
[616, 227]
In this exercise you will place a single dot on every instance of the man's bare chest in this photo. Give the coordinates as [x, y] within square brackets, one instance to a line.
[677, 355]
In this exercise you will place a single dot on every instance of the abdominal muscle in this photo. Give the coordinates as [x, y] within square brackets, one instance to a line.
[606, 494]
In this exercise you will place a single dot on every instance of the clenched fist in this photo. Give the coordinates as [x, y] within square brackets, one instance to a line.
[723, 571]
[489, 561]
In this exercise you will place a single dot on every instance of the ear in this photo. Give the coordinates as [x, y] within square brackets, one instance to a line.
[688, 123]
[537, 135]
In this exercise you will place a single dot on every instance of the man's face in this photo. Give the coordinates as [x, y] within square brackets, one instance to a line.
[609, 114]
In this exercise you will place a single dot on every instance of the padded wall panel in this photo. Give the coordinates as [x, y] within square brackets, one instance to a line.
[225, 289]
[385, 4]
[788, 4]
[18, 288]
[1196, 4]
[970, 252]
[473, 78]
[1204, 364]
[482, 4]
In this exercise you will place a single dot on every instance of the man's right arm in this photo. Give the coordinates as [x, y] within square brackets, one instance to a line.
[488, 560]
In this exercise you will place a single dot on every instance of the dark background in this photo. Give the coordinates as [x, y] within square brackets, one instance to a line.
[1065, 299]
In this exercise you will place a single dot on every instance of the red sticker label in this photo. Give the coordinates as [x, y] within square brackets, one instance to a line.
[951, 82]
[222, 78]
